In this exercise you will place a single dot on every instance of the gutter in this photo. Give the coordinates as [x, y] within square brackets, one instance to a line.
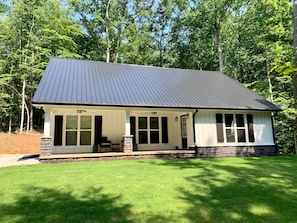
[194, 133]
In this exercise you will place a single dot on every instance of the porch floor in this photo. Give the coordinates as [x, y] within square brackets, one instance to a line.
[186, 153]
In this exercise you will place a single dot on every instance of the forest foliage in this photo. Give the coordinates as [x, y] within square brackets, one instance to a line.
[249, 40]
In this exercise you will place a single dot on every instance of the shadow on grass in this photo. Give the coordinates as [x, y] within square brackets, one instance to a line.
[240, 189]
[38, 204]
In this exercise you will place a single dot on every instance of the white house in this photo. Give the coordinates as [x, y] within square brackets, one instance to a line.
[100, 107]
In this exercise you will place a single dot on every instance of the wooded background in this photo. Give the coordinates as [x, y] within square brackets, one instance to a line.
[249, 40]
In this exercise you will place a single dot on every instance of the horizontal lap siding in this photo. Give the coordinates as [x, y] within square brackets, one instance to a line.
[206, 132]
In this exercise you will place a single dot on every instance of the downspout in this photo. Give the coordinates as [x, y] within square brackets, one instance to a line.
[194, 132]
[273, 130]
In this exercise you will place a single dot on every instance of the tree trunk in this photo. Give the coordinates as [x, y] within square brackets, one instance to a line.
[28, 117]
[1, 120]
[107, 32]
[295, 65]
[241, 73]
[31, 95]
[269, 81]
[219, 44]
[118, 43]
[23, 107]
[10, 123]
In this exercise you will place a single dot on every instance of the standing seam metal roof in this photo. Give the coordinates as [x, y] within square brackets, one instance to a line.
[81, 82]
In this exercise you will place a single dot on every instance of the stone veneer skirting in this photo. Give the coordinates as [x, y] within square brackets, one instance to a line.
[236, 151]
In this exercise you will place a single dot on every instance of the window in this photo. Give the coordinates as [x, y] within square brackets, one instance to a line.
[78, 130]
[234, 128]
[240, 128]
[142, 124]
[85, 130]
[230, 128]
[149, 130]
[71, 130]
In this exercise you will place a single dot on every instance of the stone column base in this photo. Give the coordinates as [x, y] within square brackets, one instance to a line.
[46, 144]
[128, 144]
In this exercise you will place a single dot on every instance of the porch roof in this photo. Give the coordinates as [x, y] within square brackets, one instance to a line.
[81, 82]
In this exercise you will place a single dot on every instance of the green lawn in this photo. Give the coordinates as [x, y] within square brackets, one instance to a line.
[152, 190]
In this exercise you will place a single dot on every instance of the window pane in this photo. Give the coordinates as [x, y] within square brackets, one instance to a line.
[220, 130]
[142, 137]
[71, 138]
[85, 138]
[154, 123]
[230, 135]
[239, 120]
[229, 120]
[241, 135]
[250, 128]
[154, 136]
[71, 122]
[85, 122]
[142, 122]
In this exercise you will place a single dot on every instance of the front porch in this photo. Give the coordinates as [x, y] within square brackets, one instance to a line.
[82, 130]
[185, 153]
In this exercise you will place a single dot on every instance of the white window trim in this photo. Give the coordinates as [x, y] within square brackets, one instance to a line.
[235, 128]
[78, 131]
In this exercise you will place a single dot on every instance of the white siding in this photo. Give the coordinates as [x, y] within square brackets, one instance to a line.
[206, 132]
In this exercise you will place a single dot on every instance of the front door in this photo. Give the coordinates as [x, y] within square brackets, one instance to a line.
[184, 131]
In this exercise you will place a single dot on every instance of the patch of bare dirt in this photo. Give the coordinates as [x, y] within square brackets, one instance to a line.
[20, 144]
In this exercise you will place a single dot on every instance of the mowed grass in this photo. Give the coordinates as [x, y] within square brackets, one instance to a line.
[152, 190]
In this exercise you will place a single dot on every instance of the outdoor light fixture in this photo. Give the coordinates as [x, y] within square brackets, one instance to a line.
[153, 113]
[80, 111]
[176, 119]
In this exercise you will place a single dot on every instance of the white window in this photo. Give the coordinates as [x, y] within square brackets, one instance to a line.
[78, 130]
[236, 128]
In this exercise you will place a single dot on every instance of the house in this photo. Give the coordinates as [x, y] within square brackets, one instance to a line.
[100, 107]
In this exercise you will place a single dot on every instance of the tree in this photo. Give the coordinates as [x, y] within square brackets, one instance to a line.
[295, 73]
[32, 32]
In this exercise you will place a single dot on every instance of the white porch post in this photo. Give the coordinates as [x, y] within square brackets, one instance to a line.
[47, 121]
[128, 139]
[46, 142]
[127, 125]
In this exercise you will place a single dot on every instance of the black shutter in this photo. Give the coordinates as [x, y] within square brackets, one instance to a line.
[98, 130]
[250, 128]
[220, 132]
[164, 130]
[58, 130]
[133, 128]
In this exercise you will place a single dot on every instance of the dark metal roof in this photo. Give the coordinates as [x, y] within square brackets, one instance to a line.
[80, 82]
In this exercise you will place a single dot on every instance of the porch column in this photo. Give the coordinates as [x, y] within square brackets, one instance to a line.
[127, 138]
[46, 144]
[128, 144]
[47, 121]
[127, 125]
